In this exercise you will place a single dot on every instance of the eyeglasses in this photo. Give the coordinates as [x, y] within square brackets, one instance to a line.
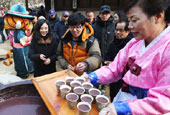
[78, 28]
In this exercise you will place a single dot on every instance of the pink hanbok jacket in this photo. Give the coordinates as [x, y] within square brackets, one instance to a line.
[150, 70]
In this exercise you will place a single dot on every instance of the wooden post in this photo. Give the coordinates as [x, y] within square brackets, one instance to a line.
[47, 5]
[74, 5]
[52, 4]
[26, 4]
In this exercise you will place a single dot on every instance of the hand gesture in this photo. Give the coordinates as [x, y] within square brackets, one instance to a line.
[42, 57]
[107, 62]
[80, 67]
[70, 67]
[47, 61]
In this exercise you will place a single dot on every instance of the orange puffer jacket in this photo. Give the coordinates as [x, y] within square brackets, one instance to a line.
[73, 54]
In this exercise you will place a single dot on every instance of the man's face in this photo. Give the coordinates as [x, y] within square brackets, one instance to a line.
[90, 17]
[120, 31]
[105, 16]
[65, 18]
[52, 16]
[76, 30]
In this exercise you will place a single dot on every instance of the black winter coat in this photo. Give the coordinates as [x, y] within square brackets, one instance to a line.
[113, 50]
[1, 23]
[59, 29]
[116, 46]
[53, 21]
[104, 32]
[49, 50]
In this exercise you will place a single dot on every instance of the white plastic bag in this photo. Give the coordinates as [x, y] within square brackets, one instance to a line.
[123, 96]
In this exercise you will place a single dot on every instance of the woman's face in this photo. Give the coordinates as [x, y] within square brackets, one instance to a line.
[116, 18]
[140, 25]
[44, 30]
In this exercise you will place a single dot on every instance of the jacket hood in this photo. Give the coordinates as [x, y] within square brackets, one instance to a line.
[86, 33]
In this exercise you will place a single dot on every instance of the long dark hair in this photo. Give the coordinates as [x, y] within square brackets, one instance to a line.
[36, 34]
[152, 7]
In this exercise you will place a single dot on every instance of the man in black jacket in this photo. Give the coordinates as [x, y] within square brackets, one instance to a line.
[90, 17]
[61, 26]
[53, 18]
[104, 32]
[104, 29]
[120, 40]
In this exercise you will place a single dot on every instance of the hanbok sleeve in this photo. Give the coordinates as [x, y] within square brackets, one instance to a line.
[112, 72]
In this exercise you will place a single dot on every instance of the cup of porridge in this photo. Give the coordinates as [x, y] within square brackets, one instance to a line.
[101, 102]
[65, 89]
[87, 86]
[72, 99]
[83, 108]
[59, 83]
[86, 98]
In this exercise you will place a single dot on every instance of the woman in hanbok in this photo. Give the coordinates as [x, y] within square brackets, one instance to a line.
[144, 63]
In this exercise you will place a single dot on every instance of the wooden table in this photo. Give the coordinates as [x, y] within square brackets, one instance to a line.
[47, 89]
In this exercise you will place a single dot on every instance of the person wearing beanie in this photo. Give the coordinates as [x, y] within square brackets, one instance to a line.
[104, 30]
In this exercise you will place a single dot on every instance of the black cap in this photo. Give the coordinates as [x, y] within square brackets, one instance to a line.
[105, 8]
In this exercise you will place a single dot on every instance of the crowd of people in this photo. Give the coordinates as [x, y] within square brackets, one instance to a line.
[127, 51]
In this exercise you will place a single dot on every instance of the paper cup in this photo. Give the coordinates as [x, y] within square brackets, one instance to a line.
[81, 79]
[65, 89]
[59, 83]
[72, 99]
[94, 92]
[83, 108]
[101, 101]
[79, 90]
[74, 84]
[86, 98]
[69, 80]
[87, 86]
